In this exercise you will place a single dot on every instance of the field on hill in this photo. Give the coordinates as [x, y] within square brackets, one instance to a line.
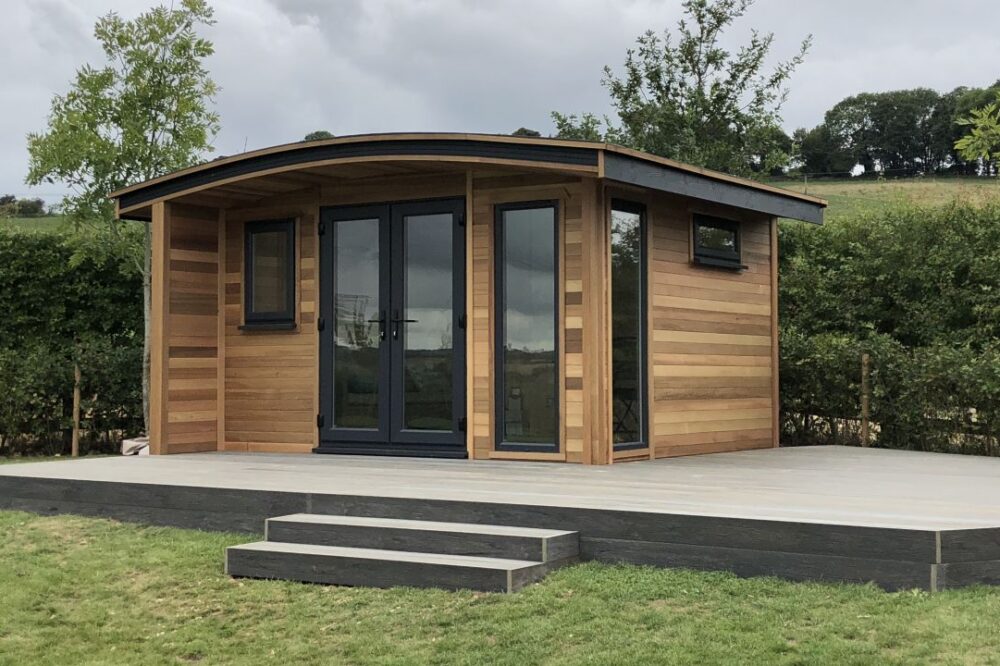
[851, 197]
[33, 224]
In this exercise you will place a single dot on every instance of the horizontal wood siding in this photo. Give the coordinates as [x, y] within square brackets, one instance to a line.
[711, 349]
[271, 376]
[192, 349]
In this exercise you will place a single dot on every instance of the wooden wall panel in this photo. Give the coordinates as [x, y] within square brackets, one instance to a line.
[711, 352]
[190, 334]
[271, 376]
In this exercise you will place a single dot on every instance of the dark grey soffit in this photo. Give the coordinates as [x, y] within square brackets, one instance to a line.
[666, 179]
[582, 156]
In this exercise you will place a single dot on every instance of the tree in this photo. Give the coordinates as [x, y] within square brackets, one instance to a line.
[585, 128]
[146, 112]
[687, 98]
[524, 131]
[983, 140]
[318, 135]
[890, 130]
[30, 207]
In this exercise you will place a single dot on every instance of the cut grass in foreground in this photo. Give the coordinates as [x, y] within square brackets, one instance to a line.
[96, 591]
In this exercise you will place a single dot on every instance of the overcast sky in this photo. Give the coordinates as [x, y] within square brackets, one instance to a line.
[287, 67]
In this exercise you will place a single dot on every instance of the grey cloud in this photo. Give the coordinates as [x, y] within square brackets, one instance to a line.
[287, 67]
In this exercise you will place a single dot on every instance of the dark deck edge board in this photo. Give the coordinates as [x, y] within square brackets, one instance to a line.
[307, 153]
[891, 558]
[633, 171]
[215, 503]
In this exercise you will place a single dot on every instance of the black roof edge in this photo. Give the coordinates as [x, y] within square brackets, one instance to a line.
[661, 177]
[572, 155]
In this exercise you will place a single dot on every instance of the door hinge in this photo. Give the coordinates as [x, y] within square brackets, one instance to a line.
[320, 324]
[461, 321]
[320, 420]
[322, 228]
[461, 424]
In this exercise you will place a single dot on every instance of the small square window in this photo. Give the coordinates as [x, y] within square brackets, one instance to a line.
[716, 242]
[269, 270]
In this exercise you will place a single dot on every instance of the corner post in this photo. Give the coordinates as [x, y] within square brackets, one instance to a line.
[158, 333]
[775, 357]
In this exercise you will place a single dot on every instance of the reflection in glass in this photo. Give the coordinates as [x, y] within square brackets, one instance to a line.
[427, 336]
[528, 309]
[270, 271]
[356, 329]
[626, 326]
[716, 238]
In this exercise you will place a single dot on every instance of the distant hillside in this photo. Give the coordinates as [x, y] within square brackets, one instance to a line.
[855, 196]
[33, 224]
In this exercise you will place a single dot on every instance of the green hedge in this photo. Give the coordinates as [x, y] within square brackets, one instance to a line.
[917, 289]
[936, 398]
[65, 302]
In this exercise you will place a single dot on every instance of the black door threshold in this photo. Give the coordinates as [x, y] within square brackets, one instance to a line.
[399, 450]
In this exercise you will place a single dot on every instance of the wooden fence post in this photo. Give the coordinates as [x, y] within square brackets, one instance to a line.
[75, 449]
[865, 397]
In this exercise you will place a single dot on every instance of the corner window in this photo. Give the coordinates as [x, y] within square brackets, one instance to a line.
[527, 370]
[269, 272]
[716, 242]
[628, 325]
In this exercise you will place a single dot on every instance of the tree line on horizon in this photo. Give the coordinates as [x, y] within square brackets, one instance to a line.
[900, 132]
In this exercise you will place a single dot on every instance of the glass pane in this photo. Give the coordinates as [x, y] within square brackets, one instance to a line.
[626, 326]
[356, 335]
[427, 337]
[270, 271]
[529, 334]
[716, 238]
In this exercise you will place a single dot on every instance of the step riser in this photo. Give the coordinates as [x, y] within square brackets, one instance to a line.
[376, 573]
[421, 541]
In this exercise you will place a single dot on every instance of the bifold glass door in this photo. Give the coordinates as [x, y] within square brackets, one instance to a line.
[392, 351]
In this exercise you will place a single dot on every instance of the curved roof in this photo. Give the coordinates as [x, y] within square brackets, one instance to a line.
[601, 160]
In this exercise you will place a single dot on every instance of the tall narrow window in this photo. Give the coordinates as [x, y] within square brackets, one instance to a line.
[527, 364]
[269, 270]
[628, 329]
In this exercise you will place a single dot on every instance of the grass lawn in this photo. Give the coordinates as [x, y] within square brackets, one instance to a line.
[96, 591]
[854, 197]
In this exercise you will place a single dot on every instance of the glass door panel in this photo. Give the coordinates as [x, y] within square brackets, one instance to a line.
[357, 324]
[426, 329]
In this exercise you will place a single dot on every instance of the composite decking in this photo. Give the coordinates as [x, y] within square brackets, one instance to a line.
[900, 519]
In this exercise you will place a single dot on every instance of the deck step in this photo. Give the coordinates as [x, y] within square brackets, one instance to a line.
[492, 541]
[371, 567]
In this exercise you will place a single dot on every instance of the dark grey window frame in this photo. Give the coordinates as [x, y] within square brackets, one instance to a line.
[263, 321]
[715, 258]
[499, 299]
[627, 206]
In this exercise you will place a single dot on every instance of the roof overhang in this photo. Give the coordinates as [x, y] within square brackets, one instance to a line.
[600, 160]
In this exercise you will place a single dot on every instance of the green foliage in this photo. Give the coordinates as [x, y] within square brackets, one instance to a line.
[917, 289]
[67, 302]
[318, 135]
[902, 132]
[584, 128]
[524, 131]
[983, 140]
[144, 113]
[687, 98]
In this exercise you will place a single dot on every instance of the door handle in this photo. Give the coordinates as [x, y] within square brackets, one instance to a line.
[381, 325]
[396, 321]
